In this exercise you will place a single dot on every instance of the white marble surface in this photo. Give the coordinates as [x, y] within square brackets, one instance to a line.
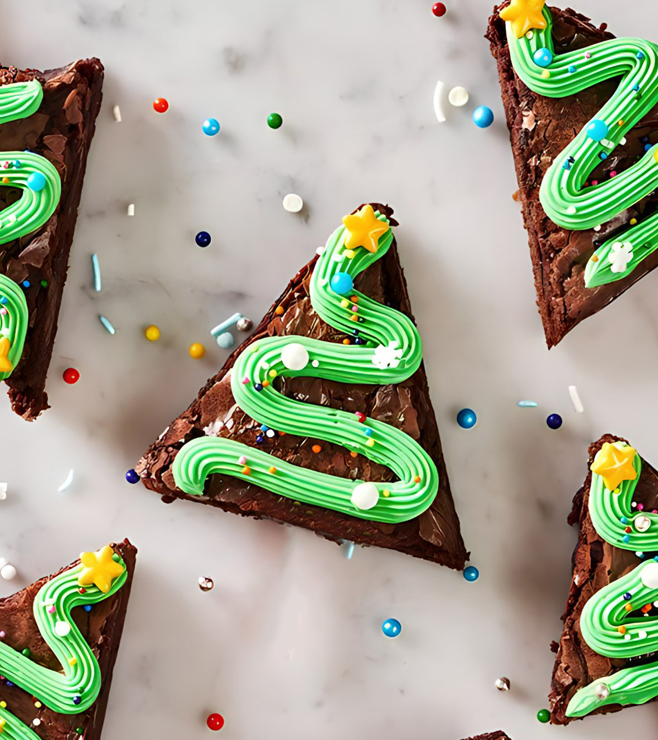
[288, 644]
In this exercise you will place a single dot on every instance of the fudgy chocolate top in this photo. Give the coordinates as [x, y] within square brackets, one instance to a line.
[61, 131]
[596, 564]
[435, 535]
[101, 628]
[540, 128]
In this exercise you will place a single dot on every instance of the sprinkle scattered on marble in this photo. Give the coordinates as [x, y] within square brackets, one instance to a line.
[95, 266]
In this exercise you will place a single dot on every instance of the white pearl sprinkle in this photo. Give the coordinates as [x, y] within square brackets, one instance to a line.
[458, 96]
[36, 721]
[62, 628]
[315, 363]
[8, 572]
[571, 210]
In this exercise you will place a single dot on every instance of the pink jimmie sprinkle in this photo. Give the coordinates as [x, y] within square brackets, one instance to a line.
[587, 55]
[51, 609]
[242, 460]
[245, 381]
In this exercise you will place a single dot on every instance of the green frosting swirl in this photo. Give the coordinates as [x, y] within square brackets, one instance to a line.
[611, 622]
[564, 194]
[392, 352]
[77, 688]
[29, 213]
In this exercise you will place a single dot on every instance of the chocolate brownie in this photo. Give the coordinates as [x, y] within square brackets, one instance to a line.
[540, 128]
[434, 535]
[596, 563]
[101, 627]
[61, 131]
[490, 736]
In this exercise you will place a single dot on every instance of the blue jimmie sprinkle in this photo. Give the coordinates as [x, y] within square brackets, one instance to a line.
[97, 273]
[349, 549]
[528, 404]
[107, 325]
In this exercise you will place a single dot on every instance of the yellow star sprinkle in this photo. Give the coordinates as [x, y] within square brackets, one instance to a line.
[614, 463]
[99, 569]
[5, 362]
[364, 229]
[524, 15]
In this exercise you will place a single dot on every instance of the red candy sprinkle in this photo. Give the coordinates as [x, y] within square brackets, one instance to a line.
[439, 9]
[360, 416]
[71, 375]
[160, 105]
[215, 722]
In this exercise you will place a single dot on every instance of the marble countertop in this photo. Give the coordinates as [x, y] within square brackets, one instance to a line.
[288, 645]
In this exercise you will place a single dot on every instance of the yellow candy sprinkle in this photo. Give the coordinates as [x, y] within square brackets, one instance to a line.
[594, 258]
[37, 704]
[354, 317]
[349, 253]
[271, 469]
[633, 221]
[386, 493]
[272, 373]
[545, 74]
[655, 155]
[73, 661]
[370, 443]
[3, 704]
[345, 303]
[152, 333]
[197, 350]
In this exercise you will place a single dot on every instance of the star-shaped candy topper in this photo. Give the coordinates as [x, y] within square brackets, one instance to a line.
[364, 229]
[524, 15]
[614, 463]
[99, 568]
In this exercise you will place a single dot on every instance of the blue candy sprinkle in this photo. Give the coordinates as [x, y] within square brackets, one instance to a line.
[483, 116]
[26, 283]
[628, 596]
[467, 418]
[36, 181]
[87, 607]
[648, 147]
[264, 427]
[626, 538]
[471, 573]
[342, 283]
[554, 421]
[368, 432]
[260, 439]
[391, 628]
[258, 386]
[573, 68]
[624, 520]
[203, 239]
[4, 299]
[76, 699]
[597, 130]
[543, 57]
[640, 55]
[225, 340]
[603, 155]
[132, 476]
[210, 127]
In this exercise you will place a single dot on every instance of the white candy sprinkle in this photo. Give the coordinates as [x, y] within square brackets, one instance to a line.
[627, 637]
[571, 210]
[36, 721]
[503, 684]
[438, 102]
[601, 691]
[293, 203]
[117, 113]
[319, 251]
[8, 572]
[642, 634]
[131, 209]
[315, 363]
[642, 523]
[294, 356]
[62, 628]
[270, 433]
[597, 228]
[575, 400]
[67, 482]
[365, 496]
[3, 491]
[649, 575]
[458, 96]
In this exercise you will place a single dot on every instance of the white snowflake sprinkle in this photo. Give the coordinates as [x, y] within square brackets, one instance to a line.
[620, 255]
[387, 357]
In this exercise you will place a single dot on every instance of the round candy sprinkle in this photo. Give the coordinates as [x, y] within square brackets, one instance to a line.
[210, 127]
[225, 340]
[293, 203]
[597, 130]
[471, 573]
[439, 9]
[274, 120]
[36, 181]
[467, 418]
[132, 476]
[458, 96]
[543, 715]
[554, 421]
[62, 628]
[160, 105]
[8, 572]
[203, 239]
[342, 283]
[215, 722]
[197, 350]
[206, 584]
[294, 356]
[483, 116]
[601, 691]
[71, 375]
[503, 684]
[244, 324]
[152, 333]
[365, 496]
[391, 628]
[649, 575]
[543, 57]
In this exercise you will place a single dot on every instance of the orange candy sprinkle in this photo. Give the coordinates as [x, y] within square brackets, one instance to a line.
[316, 448]
[5, 180]
[352, 454]
[265, 383]
[246, 470]
[271, 469]
[416, 479]
[354, 298]
[646, 608]
[621, 630]
[278, 310]
[346, 341]
[354, 317]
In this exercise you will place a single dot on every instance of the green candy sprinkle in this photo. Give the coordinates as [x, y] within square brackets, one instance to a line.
[543, 715]
[274, 120]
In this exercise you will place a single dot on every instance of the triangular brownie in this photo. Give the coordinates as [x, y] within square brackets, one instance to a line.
[606, 657]
[56, 129]
[430, 527]
[59, 640]
[490, 736]
[599, 236]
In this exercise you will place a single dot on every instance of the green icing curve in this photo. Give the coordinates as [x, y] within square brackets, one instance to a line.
[389, 335]
[563, 193]
[605, 612]
[79, 681]
[29, 213]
